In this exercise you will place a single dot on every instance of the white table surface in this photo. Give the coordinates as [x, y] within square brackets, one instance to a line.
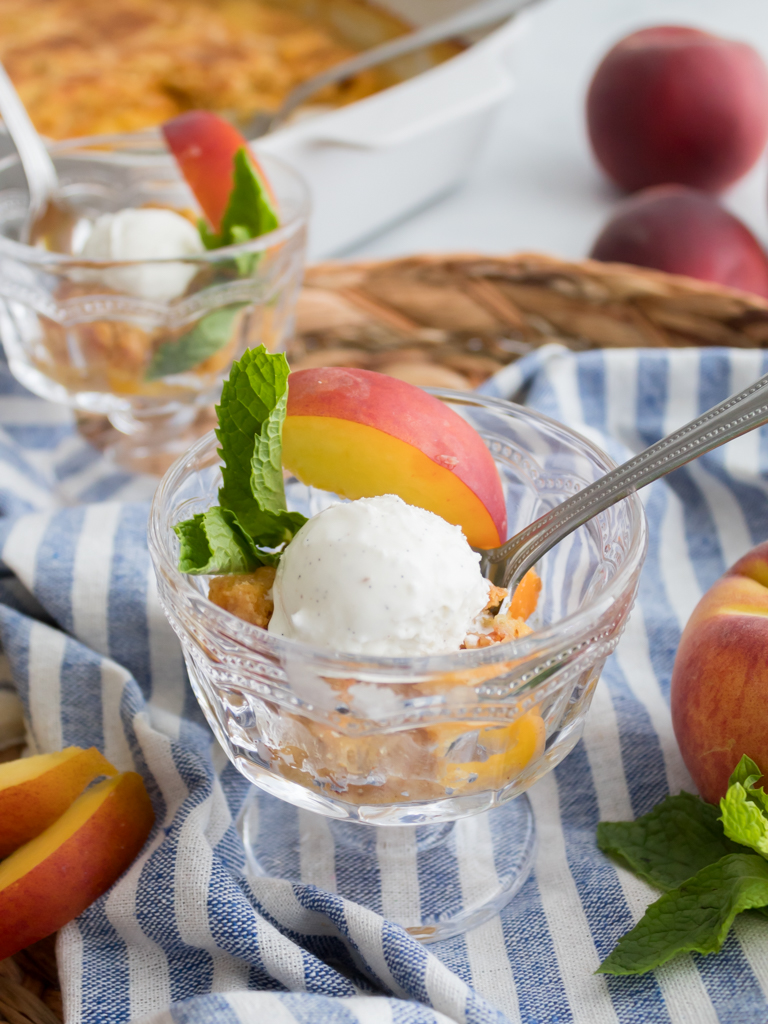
[536, 185]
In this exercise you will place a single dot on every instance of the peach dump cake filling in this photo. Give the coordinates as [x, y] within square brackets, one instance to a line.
[85, 67]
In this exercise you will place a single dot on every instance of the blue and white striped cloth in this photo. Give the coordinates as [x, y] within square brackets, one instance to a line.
[184, 936]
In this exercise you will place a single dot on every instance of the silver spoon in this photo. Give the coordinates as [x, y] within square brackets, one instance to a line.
[506, 565]
[479, 15]
[42, 180]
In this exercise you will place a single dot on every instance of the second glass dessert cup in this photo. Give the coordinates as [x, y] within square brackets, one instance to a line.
[145, 342]
[383, 755]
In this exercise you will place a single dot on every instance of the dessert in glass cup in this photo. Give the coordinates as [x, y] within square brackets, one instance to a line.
[339, 636]
[143, 280]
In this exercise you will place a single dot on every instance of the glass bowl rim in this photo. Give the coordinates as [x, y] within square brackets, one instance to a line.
[519, 650]
[31, 254]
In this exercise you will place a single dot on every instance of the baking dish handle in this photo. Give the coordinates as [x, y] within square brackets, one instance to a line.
[376, 125]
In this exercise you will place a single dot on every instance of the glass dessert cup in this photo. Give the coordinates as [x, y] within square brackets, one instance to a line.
[80, 332]
[411, 745]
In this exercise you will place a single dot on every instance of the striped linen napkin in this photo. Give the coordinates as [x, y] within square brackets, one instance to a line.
[186, 935]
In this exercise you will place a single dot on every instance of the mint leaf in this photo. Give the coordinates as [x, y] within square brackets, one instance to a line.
[249, 212]
[251, 514]
[212, 542]
[695, 917]
[744, 808]
[747, 773]
[209, 335]
[254, 399]
[676, 839]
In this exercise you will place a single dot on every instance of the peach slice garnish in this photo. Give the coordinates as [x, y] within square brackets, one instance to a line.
[362, 434]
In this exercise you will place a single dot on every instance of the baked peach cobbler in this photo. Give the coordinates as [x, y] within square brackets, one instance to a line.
[86, 67]
[373, 577]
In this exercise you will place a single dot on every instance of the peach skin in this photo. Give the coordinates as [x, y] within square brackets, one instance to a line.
[684, 231]
[674, 104]
[55, 876]
[204, 146]
[35, 791]
[361, 434]
[511, 748]
[720, 678]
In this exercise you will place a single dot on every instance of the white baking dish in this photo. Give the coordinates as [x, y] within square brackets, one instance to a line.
[374, 161]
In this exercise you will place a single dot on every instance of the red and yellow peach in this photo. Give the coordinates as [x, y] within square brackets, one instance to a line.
[674, 104]
[56, 875]
[361, 434]
[684, 231]
[720, 678]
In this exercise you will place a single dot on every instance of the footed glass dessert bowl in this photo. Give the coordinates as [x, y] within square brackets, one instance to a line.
[383, 755]
[148, 341]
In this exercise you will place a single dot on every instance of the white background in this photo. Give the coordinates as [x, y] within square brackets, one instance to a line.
[536, 185]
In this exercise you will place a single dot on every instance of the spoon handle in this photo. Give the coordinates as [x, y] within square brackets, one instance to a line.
[35, 159]
[737, 415]
[478, 15]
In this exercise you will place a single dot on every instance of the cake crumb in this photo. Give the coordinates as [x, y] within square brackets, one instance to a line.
[247, 595]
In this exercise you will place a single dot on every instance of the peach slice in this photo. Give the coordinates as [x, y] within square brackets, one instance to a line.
[204, 146]
[361, 434]
[511, 748]
[526, 596]
[35, 791]
[55, 876]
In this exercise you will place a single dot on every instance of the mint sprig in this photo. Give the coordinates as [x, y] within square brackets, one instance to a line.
[209, 335]
[676, 839]
[249, 211]
[745, 808]
[249, 214]
[703, 861]
[695, 917]
[250, 524]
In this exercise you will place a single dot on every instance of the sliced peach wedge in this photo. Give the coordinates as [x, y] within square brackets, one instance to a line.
[35, 791]
[204, 146]
[362, 434]
[55, 876]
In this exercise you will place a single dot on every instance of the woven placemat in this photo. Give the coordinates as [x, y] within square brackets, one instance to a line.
[452, 321]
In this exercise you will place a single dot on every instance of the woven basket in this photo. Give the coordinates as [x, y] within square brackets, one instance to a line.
[452, 321]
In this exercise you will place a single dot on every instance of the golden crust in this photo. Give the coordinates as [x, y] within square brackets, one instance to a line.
[90, 67]
[247, 595]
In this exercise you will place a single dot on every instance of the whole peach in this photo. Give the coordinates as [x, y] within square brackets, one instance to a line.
[674, 104]
[720, 678]
[683, 231]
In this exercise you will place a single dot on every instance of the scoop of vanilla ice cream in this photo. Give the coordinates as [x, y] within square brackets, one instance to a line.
[379, 577]
[149, 234]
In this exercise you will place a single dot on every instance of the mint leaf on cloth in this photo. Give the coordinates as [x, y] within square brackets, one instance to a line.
[695, 917]
[679, 837]
[744, 808]
[251, 514]
[209, 335]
